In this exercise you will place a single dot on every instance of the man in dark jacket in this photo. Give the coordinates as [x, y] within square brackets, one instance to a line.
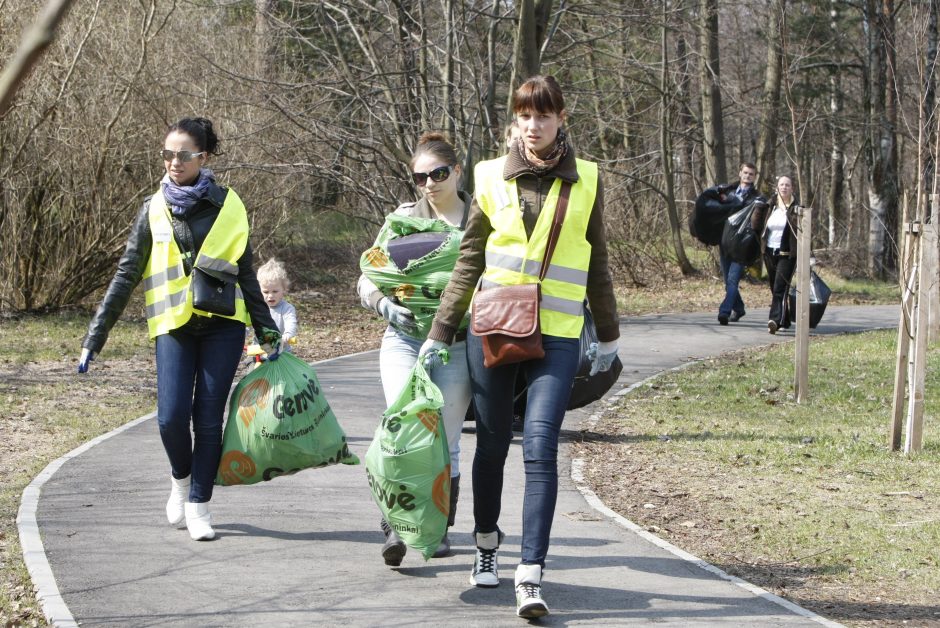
[732, 308]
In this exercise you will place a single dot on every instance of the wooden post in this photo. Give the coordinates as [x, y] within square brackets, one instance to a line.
[801, 357]
[933, 268]
[905, 331]
[915, 408]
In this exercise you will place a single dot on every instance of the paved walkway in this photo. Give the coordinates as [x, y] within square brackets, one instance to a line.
[304, 550]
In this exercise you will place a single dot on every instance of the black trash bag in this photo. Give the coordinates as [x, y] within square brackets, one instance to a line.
[588, 388]
[712, 208]
[739, 241]
[819, 294]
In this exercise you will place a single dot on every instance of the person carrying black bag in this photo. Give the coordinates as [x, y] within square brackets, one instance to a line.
[732, 307]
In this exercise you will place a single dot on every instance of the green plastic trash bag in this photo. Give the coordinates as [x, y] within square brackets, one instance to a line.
[279, 423]
[426, 250]
[408, 465]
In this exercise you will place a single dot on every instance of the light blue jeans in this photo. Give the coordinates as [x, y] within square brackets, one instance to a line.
[396, 359]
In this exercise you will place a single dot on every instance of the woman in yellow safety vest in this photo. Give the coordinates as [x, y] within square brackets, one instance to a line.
[190, 239]
[512, 210]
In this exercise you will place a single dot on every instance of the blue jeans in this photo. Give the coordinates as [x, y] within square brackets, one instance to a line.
[732, 272]
[549, 387]
[396, 359]
[195, 368]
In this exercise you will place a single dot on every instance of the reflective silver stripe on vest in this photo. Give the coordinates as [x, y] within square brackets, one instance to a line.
[532, 267]
[565, 306]
[172, 300]
[554, 304]
[158, 279]
[213, 263]
[238, 292]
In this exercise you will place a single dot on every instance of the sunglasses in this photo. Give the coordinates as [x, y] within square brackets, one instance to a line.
[184, 156]
[438, 175]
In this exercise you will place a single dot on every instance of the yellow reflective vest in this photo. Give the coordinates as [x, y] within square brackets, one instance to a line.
[512, 258]
[167, 287]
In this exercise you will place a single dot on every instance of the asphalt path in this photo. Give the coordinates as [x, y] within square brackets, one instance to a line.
[304, 550]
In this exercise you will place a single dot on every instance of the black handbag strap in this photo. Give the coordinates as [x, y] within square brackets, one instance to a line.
[561, 208]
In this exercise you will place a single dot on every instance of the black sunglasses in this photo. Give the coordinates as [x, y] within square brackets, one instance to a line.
[183, 155]
[438, 175]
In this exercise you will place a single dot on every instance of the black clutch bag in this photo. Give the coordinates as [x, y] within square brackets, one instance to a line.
[213, 291]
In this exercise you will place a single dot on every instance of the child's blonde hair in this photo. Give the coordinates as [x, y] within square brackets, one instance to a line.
[273, 270]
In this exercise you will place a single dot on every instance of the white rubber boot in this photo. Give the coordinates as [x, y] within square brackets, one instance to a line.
[199, 521]
[179, 492]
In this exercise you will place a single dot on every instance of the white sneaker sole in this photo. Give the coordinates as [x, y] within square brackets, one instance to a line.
[483, 585]
[532, 610]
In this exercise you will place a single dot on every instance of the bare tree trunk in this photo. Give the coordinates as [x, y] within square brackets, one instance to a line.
[770, 100]
[836, 164]
[35, 41]
[665, 136]
[928, 114]
[265, 47]
[530, 33]
[447, 121]
[883, 173]
[712, 124]
[686, 122]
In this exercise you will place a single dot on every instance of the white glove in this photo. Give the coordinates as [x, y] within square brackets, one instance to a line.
[601, 355]
[87, 356]
[433, 352]
[398, 316]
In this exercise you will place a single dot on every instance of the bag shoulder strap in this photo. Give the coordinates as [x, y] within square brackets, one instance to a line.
[561, 208]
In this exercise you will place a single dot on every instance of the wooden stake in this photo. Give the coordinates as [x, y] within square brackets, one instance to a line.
[915, 410]
[932, 268]
[801, 356]
[908, 270]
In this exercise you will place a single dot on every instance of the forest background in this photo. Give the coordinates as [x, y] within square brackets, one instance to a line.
[319, 104]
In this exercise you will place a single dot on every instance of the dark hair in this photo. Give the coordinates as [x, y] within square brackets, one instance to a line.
[748, 164]
[539, 93]
[200, 129]
[434, 143]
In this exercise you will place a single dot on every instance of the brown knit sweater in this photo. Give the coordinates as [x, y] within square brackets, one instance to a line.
[532, 192]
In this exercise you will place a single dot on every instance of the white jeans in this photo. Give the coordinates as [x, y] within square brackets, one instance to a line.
[396, 359]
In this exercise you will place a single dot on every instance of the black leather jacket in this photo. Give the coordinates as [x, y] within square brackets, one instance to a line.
[133, 263]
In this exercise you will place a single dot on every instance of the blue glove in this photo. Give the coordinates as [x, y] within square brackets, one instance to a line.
[433, 353]
[87, 356]
[601, 355]
[397, 316]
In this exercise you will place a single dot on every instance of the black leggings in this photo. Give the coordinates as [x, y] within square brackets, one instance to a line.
[779, 273]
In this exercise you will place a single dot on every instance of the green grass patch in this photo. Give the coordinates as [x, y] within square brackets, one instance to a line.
[768, 487]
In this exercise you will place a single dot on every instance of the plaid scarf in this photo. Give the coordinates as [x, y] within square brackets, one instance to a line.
[541, 165]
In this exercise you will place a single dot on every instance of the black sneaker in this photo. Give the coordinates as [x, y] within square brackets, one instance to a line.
[393, 551]
[722, 319]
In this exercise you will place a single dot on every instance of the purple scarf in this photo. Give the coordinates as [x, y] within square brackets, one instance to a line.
[182, 198]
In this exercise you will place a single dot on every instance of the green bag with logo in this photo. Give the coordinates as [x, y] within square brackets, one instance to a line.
[411, 262]
[408, 465]
[279, 423]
